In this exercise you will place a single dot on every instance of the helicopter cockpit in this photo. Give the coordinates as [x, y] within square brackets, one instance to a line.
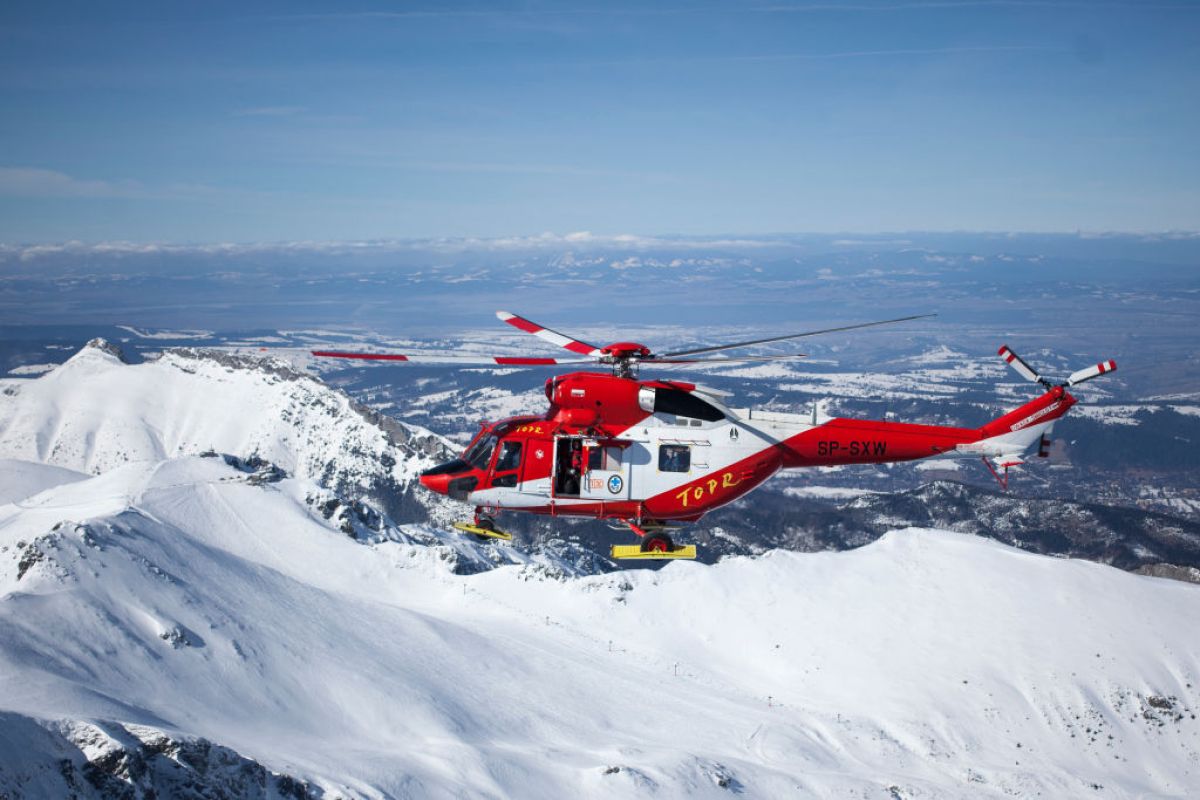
[475, 469]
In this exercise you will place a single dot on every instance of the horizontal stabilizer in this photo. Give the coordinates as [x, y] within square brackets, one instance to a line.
[1008, 462]
[1103, 368]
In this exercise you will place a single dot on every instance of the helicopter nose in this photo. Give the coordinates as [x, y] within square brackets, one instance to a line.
[439, 483]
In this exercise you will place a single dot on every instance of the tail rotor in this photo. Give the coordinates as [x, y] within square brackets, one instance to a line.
[1010, 436]
[1027, 372]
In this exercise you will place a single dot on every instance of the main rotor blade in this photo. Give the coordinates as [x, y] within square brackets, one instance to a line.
[455, 359]
[791, 336]
[545, 334]
[719, 359]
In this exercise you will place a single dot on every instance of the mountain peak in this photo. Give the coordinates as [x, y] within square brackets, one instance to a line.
[104, 346]
[99, 412]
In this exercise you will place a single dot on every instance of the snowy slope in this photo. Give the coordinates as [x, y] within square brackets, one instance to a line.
[95, 413]
[181, 596]
[21, 479]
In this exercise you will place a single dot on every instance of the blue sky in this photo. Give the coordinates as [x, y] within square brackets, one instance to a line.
[206, 122]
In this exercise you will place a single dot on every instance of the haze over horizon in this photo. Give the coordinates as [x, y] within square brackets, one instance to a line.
[142, 122]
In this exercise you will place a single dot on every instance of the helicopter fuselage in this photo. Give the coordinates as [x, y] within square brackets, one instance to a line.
[621, 448]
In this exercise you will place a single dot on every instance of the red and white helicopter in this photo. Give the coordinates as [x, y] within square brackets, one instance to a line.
[649, 453]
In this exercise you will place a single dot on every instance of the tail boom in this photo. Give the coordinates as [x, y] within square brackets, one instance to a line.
[859, 441]
[854, 441]
[1018, 430]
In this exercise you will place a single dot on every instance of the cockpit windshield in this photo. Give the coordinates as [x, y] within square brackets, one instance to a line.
[479, 454]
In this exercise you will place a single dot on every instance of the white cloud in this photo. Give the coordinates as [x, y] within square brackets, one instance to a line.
[35, 182]
[871, 242]
[543, 242]
[38, 182]
[630, 263]
[575, 248]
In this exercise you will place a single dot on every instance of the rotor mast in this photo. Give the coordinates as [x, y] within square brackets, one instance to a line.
[624, 357]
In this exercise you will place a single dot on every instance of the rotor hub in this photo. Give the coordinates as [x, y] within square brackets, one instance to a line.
[626, 350]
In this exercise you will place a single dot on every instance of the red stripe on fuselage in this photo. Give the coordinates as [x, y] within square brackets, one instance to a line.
[858, 441]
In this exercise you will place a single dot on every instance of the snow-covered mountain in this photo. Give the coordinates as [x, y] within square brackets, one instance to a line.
[194, 599]
[184, 604]
[96, 412]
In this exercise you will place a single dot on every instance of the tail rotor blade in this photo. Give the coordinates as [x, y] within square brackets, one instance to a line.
[1095, 371]
[1017, 363]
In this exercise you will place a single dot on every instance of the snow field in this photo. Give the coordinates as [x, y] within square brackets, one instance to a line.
[179, 596]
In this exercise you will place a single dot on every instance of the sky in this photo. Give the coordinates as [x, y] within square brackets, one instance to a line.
[208, 122]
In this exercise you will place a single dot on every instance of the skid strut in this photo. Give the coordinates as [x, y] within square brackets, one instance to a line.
[483, 527]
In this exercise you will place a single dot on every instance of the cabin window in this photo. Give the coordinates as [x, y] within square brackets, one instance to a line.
[510, 457]
[612, 458]
[604, 458]
[674, 458]
[685, 404]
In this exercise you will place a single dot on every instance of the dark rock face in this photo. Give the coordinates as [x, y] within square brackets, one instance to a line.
[1187, 574]
[257, 469]
[105, 346]
[27, 556]
[355, 473]
[130, 762]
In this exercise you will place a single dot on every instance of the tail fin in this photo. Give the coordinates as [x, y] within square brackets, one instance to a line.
[1022, 427]
[1003, 441]
[1030, 420]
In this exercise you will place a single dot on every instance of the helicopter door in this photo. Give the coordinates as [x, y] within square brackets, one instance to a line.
[568, 466]
[537, 466]
[606, 472]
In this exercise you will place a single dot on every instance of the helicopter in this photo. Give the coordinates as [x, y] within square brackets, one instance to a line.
[651, 454]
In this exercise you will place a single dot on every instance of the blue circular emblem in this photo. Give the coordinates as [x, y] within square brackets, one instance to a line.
[615, 484]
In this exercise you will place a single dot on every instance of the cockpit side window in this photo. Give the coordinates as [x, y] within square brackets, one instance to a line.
[510, 457]
[479, 454]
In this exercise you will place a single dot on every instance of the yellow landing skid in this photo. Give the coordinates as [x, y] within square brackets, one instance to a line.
[467, 527]
[629, 551]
